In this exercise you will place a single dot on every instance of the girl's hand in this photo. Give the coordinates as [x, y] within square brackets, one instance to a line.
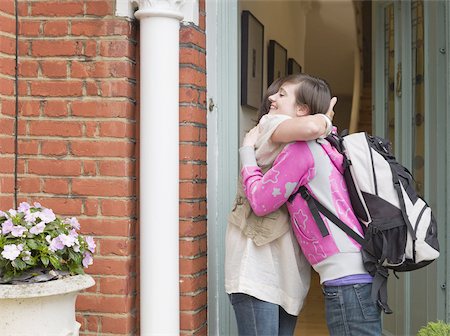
[330, 112]
[251, 137]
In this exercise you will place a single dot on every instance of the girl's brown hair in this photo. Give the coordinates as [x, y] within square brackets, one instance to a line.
[311, 91]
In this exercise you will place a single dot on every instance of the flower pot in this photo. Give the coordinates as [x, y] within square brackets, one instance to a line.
[42, 309]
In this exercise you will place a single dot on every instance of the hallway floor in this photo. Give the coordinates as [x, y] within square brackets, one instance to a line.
[311, 321]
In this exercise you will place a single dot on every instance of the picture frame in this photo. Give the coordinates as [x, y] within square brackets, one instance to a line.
[276, 61]
[252, 60]
[293, 67]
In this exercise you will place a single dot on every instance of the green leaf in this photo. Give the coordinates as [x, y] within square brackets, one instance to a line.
[32, 244]
[19, 264]
[45, 260]
[55, 262]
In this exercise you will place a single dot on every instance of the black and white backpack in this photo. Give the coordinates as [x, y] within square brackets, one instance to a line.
[400, 232]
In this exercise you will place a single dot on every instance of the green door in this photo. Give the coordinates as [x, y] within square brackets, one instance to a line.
[411, 69]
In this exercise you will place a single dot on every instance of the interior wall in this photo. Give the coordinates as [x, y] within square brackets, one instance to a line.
[284, 22]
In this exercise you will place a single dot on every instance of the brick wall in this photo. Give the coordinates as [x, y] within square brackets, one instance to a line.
[7, 102]
[77, 137]
[77, 155]
[193, 245]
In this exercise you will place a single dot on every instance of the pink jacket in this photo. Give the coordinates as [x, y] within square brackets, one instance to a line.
[319, 168]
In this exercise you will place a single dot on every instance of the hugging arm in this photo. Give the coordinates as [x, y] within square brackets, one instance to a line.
[267, 192]
[304, 128]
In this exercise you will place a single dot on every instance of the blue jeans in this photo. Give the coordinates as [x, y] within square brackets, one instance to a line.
[260, 318]
[350, 311]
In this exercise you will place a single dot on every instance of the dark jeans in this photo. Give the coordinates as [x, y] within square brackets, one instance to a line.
[260, 318]
[350, 311]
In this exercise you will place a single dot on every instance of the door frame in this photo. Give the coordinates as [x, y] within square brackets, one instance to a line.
[437, 138]
[222, 63]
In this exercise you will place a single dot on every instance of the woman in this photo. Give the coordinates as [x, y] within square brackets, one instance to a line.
[266, 276]
[317, 166]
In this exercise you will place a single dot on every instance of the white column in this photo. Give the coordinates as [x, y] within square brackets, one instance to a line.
[159, 166]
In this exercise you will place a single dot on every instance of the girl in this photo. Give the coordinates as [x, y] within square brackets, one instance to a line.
[336, 257]
[266, 276]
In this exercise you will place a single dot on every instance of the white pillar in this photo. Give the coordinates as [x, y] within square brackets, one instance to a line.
[159, 166]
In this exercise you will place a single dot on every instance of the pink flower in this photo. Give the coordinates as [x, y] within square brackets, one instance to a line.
[11, 251]
[38, 228]
[18, 230]
[73, 222]
[56, 244]
[91, 244]
[87, 259]
[7, 226]
[23, 207]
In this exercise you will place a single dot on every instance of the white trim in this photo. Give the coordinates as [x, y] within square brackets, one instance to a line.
[222, 82]
[159, 166]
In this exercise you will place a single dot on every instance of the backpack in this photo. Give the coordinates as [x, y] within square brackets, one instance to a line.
[400, 232]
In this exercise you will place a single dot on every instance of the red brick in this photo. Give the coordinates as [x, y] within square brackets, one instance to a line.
[193, 56]
[117, 168]
[189, 189]
[192, 320]
[42, 48]
[192, 76]
[192, 171]
[103, 108]
[193, 283]
[7, 7]
[30, 107]
[192, 209]
[29, 28]
[55, 108]
[116, 247]
[28, 68]
[28, 147]
[192, 152]
[7, 66]
[100, 7]
[191, 228]
[54, 147]
[193, 247]
[101, 187]
[89, 168]
[54, 167]
[193, 114]
[54, 69]
[7, 45]
[193, 302]
[118, 208]
[56, 186]
[116, 285]
[104, 304]
[56, 28]
[108, 227]
[191, 35]
[109, 266]
[118, 324]
[62, 206]
[57, 8]
[117, 48]
[91, 207]
[8, 24]
[56, 88]
[55, 128]
[102, 149]
[192, 266]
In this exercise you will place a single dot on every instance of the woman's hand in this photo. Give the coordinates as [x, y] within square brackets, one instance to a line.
[251, 137]
[330, 112]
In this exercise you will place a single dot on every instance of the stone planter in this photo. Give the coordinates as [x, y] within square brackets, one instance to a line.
[41, 309]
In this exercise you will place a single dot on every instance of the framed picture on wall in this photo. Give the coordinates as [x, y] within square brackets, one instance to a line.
[276, 61]
[252, 58]
[293, 67]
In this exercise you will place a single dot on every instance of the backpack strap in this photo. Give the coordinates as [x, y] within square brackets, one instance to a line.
[402, 204]
[317, 207]
[379, 289]
[379, 284]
